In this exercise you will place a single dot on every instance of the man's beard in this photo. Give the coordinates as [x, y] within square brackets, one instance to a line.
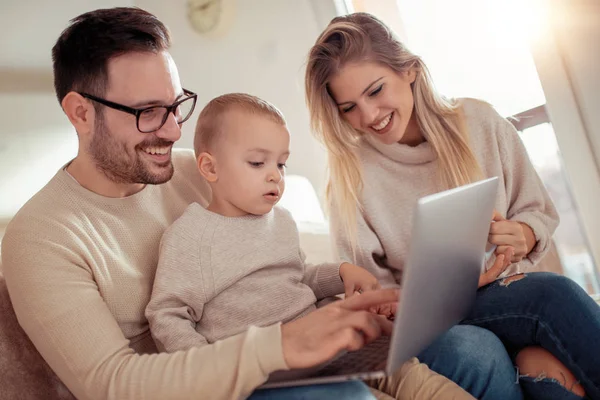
[123, 165]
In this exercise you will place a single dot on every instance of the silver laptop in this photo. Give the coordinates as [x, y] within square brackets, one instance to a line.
[439, 284]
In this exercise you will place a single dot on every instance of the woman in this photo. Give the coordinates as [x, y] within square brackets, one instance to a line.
[392, 139]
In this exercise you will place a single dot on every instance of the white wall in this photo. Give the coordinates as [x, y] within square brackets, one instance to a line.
[577, 29]
[35, 136]
[30, 27]
[263, 54]
[37, 139]
[578, 36]
[567, 60]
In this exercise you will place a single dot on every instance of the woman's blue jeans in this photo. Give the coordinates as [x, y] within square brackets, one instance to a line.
[352, 390]
[550, 311]
[541, 309]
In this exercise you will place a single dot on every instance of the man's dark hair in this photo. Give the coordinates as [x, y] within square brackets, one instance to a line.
[81, 53]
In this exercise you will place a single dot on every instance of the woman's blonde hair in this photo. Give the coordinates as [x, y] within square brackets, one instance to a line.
[361, 37]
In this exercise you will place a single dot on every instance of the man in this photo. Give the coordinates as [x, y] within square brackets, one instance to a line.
[80, 256]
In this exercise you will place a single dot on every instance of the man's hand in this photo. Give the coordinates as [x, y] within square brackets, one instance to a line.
[342, 325]
[357, 279]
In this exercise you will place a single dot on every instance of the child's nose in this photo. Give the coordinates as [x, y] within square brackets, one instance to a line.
[274, 175]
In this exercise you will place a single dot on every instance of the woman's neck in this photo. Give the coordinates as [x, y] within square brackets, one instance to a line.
[412, 136]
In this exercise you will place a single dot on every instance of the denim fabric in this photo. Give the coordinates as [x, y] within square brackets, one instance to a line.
[351, 390]
[550, 311]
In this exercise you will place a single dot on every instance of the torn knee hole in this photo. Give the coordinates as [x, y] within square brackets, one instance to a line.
[542, 376]
[511, 279]
[573, 386]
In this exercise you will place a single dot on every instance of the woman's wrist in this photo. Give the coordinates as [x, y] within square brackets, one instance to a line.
[530, 239]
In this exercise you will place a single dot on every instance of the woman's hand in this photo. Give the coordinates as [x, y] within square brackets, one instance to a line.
[357, 279]
[498, 268]
[511, 234]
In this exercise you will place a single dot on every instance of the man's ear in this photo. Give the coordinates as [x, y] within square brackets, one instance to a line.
[207, 165]
[80, 112]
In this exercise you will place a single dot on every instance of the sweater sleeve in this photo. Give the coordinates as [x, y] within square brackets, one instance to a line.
[368, 251]
[324, 279]
[60, 307]
[178, 295]
[528, 200]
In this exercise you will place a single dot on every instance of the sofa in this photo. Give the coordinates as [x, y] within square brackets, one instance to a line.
[24, 374]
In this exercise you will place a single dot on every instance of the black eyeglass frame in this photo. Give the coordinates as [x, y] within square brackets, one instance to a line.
[138, 111]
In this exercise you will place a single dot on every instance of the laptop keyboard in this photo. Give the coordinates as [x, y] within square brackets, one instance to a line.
[372, 357]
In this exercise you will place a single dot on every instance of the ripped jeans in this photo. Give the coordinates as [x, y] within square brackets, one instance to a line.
[550, 311]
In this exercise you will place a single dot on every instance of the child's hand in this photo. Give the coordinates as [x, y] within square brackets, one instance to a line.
[386, 310]
[357, 279]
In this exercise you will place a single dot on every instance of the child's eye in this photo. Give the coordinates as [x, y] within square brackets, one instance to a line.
[376, 91]
[256, 164]
[281, 165]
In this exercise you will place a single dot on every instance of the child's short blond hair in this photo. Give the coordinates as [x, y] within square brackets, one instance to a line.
[210, 119]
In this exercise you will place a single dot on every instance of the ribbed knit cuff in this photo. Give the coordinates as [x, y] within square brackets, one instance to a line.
[329, 280]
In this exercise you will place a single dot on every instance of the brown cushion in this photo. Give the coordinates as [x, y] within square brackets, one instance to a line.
[23, 372]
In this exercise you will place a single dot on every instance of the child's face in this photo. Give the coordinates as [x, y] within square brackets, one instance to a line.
[250, 164]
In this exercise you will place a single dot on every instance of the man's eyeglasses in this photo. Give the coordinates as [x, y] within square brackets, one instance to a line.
[151, 119]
